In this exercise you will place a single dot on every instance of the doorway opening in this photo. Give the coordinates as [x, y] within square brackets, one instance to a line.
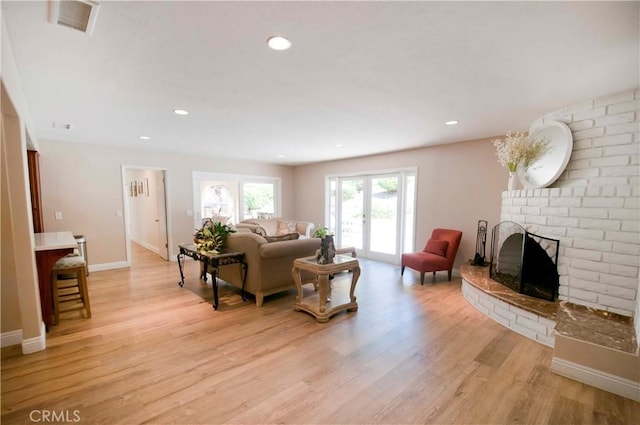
[145, 206]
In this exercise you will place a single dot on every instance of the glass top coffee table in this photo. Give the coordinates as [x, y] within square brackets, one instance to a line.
[330, 297]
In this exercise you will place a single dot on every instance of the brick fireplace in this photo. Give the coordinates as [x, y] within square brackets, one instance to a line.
[593, 208]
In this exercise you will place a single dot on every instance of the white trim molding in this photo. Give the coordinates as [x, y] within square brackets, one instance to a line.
[596, 378]
[35, 344]
[7, 339]
[109, 266]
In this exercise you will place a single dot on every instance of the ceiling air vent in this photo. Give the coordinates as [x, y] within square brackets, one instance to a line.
[77, 14]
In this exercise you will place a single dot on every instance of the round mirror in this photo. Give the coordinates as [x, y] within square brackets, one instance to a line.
[548, 168]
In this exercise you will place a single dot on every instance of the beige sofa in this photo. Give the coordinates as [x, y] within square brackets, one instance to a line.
[269, 264]
[277, 226]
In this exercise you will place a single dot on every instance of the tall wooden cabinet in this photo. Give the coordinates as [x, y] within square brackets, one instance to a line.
[33, 161]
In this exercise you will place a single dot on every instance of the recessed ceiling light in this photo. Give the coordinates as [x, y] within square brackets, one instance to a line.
[278, 42]
[62, 126]
[180, 112]
[452, 122]
[339, 145]
[145, 138]
[280, 156]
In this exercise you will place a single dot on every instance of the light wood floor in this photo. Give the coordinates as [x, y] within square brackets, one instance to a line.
[157, 353]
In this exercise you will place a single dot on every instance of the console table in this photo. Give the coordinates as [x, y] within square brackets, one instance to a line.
[211, 262]
[327, 301]
[50, 247]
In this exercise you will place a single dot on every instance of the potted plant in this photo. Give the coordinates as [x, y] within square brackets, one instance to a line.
[212, 236]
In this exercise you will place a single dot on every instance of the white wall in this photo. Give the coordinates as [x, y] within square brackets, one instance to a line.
[144, 217]
[84, 182]
[458, 184]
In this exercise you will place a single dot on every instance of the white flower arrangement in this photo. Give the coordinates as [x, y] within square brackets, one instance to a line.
[516, 149]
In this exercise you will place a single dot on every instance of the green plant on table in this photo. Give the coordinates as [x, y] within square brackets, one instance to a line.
[212, 236]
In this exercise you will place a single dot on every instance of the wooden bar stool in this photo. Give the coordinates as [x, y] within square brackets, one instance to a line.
[70, 290]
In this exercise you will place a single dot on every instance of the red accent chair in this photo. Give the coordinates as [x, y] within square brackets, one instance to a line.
[438, 254]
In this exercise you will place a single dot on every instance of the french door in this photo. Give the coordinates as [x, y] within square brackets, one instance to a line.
[374, 213]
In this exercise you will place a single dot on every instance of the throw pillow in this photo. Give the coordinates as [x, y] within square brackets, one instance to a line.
[287, 237]
[437, 247]
[285, 227]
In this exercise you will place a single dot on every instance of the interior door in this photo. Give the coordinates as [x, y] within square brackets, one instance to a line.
[161, 214]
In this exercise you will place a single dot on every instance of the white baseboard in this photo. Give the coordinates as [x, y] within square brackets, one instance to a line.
[108, 266]
[146, 245]
[596, 378]
[38, 343]
[7, 339]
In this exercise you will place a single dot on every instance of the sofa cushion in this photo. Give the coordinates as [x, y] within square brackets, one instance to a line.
[437, 247]
[287, 237]
[286, 227]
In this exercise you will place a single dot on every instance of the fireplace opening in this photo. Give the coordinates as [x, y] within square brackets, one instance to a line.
[524, 261]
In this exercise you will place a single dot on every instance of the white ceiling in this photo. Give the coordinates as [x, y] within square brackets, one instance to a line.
[372, 76]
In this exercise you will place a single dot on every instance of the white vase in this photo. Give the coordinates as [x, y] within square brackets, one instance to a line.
[513, 181]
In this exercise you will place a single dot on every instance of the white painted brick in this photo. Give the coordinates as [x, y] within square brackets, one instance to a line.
[630, 106]
[627, 170]
[619, 292]
[567, 192]
[608, 181]
[555, 211]
[591, 133]
[578, 164]
[613, 140]
[609, 191]
[603, 202]
[585, 274]
[552, 232]
[535, 219]
[614, 119]
[630, 237]
[563, 290]
[575, 293]
[609, 161]
[520, 201]
[626, 248]
[588, 212]
[593, 244]
[500, 319]
[624, 271]
[624, 191]
[630, 226]
[583, 254]
[550, 324]
[538, 202]
[588, 285]
[520, 312]
[632, 202]
[595, 266]
[612, 99]
[482, 309]
[548, 340]
[531, 324]
[597, 223]
[622, 259]
[590, 113]
[583, 124]
[562, 221]
[554, 191]
[486, 302]
[615, 302]
[621, 281]
[531, 211]
[621, 128]
[579, 145]
[587, 153]
[586, 234]
[505, 313]
[624, 213]
[579, 191]
[524, 331]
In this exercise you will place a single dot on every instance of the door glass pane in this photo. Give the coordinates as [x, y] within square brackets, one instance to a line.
[384, 214]
[352, 205]
[409, 213]
[258, 200]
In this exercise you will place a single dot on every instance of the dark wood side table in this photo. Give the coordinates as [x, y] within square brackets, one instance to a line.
[212, 261]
